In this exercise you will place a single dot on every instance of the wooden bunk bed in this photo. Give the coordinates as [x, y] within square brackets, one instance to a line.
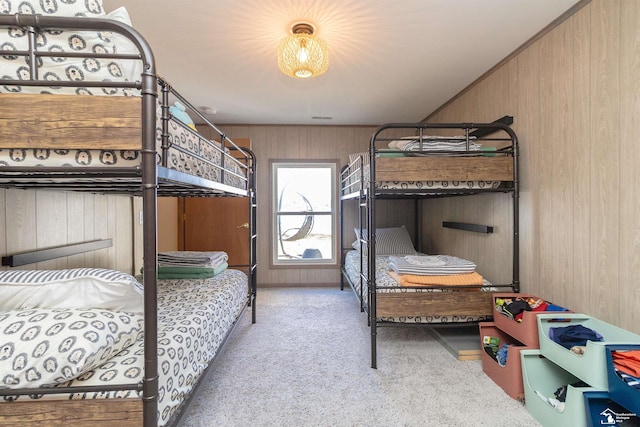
[417, 161]
[128, 145]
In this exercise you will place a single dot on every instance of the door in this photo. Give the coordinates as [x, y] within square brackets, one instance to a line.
[216, 224]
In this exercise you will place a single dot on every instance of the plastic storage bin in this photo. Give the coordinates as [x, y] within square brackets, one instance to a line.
[620, 392]
[508, 377]
[526, 331]
[590, 367]
[543, 376]
[602, 411]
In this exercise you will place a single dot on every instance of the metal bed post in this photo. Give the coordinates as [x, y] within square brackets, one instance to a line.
[150, 250]
[371, 250]
[164, 120]
[253, 206]
[341, 225]
[516, 212]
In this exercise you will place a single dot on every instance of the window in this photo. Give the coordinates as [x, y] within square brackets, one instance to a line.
[304, 213]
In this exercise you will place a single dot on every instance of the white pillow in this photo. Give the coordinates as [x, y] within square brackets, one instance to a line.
[73, 288]
[56, 68]
[132, 69]
[88, 8]
[41, 347]
[389, 241]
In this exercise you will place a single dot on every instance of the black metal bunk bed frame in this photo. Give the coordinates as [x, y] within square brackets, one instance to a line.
[367, 195]
[149, 180]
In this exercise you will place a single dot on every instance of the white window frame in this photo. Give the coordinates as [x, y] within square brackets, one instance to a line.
[329, 261]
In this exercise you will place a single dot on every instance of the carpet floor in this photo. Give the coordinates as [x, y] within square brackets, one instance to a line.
[306, 362]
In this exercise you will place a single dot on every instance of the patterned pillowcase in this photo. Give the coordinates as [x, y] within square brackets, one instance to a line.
[57, 68]
[40, 347]
[72, 288]
[389, 241]
[132, 69]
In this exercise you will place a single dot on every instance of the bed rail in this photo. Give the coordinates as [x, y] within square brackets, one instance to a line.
[32, 257]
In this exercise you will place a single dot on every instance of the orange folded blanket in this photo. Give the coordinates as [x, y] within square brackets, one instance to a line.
[449, 280]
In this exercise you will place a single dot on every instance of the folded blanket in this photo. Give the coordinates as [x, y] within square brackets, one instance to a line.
[192, 258]
[433, 265]
[435, 143]
[450, 280]
[171, 272]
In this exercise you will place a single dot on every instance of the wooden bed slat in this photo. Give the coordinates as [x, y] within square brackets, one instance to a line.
[433, 304]
[68, 413]
[444, 169]
[108, 122]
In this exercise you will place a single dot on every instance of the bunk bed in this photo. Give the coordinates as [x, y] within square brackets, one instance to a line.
[115, 134]
[417, 161]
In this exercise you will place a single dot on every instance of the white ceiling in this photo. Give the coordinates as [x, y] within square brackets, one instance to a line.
[390, 60]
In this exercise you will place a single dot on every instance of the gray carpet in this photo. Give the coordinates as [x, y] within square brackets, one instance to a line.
[306, 363]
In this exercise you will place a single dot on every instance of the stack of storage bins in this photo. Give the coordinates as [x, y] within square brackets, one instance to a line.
[518, 335]
[588, 377]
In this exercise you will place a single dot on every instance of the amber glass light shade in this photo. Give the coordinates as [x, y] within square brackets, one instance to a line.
[303, 55]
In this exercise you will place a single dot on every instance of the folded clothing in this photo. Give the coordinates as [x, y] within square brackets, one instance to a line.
[573, 335]
[515, 307]
[627, 361]
[447, 280]
[435, 143]
[192, 258]
[434, 265]
[189, 272]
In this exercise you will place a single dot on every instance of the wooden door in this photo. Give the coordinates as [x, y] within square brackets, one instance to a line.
[216, 224]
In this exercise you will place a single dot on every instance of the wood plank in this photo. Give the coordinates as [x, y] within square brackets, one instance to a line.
[461, 341]
[433, 304]
[576, 293]
[444, 169]
[108, 122]
[68, 413]
[629, 171]
[604, 210]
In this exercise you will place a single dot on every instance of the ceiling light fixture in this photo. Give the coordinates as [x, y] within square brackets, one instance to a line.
[302, 54]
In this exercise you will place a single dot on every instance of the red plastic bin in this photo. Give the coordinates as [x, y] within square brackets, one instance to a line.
[526, 331]
[508, 377]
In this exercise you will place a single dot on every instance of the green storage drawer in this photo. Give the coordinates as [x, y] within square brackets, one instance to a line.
[590, 367]
[540, 375]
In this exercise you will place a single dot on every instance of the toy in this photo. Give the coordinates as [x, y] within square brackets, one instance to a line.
[179, 112]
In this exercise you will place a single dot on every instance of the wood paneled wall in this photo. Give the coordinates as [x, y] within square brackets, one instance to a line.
[306, 142]
[574, 94]
[32, 220]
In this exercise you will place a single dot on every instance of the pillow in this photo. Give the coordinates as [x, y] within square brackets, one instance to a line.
[40, 347]
[73, 288]
[389, 241]
[355, 156]
[131, 69]
[57, 68]
[88, 8]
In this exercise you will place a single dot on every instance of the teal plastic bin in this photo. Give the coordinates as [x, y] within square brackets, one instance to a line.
[540, 375]
[590, 367]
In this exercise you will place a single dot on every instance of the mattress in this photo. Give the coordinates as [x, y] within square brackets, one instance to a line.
[385, 284]
[189, 153]
[194, 317]
[357, 180]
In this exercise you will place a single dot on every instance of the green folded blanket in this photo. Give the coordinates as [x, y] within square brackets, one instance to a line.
[190, 272]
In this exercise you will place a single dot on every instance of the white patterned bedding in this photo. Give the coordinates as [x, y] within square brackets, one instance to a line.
[357, 181]
[194, 316]
[386, 284]
[189, 153]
